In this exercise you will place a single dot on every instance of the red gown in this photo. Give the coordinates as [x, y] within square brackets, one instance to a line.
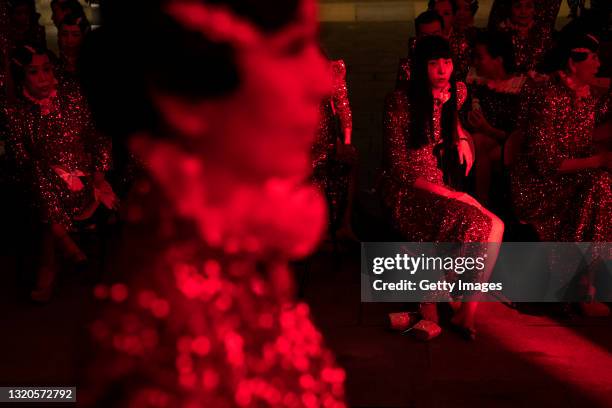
[191, 326]
[422, 216]
[53, 146]
[529, 47]
[573, 207]
[546, 12]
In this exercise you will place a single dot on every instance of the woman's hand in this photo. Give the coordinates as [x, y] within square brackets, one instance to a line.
[465, 154]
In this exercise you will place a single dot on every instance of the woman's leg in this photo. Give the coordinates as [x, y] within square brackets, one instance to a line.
[67, 245]
[465, 315]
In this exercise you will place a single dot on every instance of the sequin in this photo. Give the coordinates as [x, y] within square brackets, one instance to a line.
[38, 142]
[418, 214]
[330, 174]
[558, 125]
[252, 353]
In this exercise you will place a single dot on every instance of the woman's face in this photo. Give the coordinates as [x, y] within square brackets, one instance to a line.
[464, 17]
[267, 126]
[586, 71]
[522, 12]
[439, 72]
[39, 77]
[483, 62]
[70, 39]
[445, 9]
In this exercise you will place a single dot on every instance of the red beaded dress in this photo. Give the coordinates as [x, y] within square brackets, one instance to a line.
[198, 313]
[574, 207]
[330, 173]
[422, 216]
[546, 12]
[56, 152]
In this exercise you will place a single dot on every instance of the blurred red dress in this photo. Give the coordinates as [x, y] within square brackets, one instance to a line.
[420, 215]
[192, 321]
[574, 207]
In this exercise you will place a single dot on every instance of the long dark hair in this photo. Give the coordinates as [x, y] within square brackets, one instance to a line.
[421, 98]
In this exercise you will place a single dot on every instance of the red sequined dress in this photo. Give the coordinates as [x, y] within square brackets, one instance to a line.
[419, 215]
[546, 12]
[529, 44]
[56, 151]
[186, 323]
[331, 173]
[574, 207]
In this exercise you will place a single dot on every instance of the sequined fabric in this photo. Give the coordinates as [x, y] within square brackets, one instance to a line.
[499, 101]
[570, 207]
[67, 78]
[462, 55]
[329, 172]
[529, 45]
[546, 12]
[184, 325]
[38, 142]
[418, 214]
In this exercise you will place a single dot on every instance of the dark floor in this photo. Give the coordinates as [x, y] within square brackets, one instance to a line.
[517, 360]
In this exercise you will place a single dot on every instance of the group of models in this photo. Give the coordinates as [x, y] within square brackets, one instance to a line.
[219, 103]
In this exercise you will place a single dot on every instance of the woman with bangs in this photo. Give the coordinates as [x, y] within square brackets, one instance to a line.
[422, 132]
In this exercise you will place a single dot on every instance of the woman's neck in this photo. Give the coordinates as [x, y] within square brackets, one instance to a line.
[579, 87]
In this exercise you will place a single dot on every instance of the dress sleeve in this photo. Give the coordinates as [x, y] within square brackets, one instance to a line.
[406, 165]
[340, 95]
[543, 133]
[14, 136]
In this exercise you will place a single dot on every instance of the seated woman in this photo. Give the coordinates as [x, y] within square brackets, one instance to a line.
[423, 207]
[71, 33]
[335, 158]
[495, 92]
[59, 158]
[560, 184]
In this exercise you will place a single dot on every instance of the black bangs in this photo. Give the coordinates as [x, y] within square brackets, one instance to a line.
[431, 48]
